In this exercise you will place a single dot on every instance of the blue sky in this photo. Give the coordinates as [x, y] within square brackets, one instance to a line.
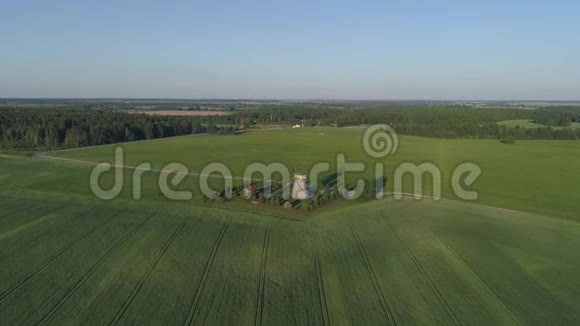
[291, 49]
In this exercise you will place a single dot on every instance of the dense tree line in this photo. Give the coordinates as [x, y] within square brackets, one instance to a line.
[352, 117]
[57, 128]
[66, 127]
[561, 117]
[421, 121]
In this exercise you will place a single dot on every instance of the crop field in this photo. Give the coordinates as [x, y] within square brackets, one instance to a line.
[68, 258]
[290, 163]
[534, 176]
[527, 124]
[184, 113]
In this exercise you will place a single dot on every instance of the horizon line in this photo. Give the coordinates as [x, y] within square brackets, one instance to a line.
[286, 99]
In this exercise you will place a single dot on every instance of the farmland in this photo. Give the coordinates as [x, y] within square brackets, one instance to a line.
[535, 176]
[68, 259]
[183, 113]
[290, 163]
[529, 124]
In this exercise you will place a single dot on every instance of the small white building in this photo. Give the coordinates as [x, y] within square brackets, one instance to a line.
[299, 188]
[296, 126]
[249, 192]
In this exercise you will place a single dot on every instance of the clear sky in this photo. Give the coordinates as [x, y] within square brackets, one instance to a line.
[291, 49]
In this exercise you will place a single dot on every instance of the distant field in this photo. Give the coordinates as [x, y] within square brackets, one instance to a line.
[183, 113]
[68, 258]
[534, 176]
[530, 124]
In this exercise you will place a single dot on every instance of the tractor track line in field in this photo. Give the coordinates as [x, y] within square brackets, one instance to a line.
[15, 286]
[549, 295]
[464, 263]
[320, 283]
[547, 292]
[552, 297]
[383, 301]
[202, 282]
[425, 275]
[262, 284]
[90, 272]
[147, 274]
[32, 241]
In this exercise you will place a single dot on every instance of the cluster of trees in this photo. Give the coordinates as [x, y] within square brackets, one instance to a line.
[329, 193]
[560, 117]
[276, 198]
[57, 128]
[325, 194]
[213, 129]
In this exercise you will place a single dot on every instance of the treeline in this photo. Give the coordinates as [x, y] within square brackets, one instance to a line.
[51, 128]
[421, 121]
[560, 117]
[418, 121]
[539, 133]
[59, 128]
[423, 116]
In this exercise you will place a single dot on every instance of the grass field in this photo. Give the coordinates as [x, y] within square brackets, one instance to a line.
[183, 113]
[528, 124]
[535, 176]
[68, 258]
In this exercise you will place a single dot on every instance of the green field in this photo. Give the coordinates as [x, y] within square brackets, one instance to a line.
[528, 124]
[68, 258]
[534, 176]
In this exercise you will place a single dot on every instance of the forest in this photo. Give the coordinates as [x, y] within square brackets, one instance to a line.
[58, 128]
[559, 117]
[66, 127]
[418, 121]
